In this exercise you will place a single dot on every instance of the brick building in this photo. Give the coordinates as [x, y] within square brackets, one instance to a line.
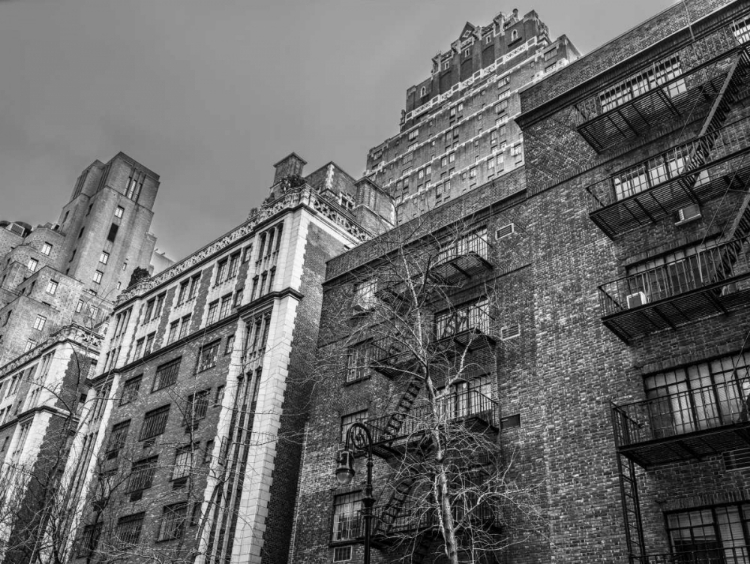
[596, 296]
[458, 129]
[189, 446]
[58, 283]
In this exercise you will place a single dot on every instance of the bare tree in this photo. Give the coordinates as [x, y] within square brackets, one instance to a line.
[424, 313]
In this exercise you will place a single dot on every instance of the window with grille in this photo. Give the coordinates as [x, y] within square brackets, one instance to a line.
[117, 439]
[712, 534]
[154, 423]
[466, 398]
[142, 475]
[88, 540]
[358, 361]
[464, 318]
[698, 397]
[659, 73]
[166, 374]
[347, 518]
[741, 29]
[130, 390]
[128, 531]
[348, 420]
[196, 407]
[342, 553]
[208, 356]
[183, 462]
[172, 523]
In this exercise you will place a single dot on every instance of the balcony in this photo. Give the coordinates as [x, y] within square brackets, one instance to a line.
[467, 326]
[471, 409]
[465, 258]
[663, 93]
[684, 425]
[392, 358]
[717, 555]
[686, 174]
[713, 280]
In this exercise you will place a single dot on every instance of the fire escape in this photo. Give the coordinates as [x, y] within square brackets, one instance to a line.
[711, 278]
[404, 434]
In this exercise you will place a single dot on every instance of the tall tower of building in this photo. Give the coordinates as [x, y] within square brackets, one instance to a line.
[71, 271]
[458, 130]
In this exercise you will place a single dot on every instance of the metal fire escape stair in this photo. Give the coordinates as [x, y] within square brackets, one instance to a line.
[711, 130]
[631, 511]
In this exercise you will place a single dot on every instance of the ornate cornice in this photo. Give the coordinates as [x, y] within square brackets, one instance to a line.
[301, 196]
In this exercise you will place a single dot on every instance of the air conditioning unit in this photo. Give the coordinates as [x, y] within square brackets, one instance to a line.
[686, 214]
[637, 299]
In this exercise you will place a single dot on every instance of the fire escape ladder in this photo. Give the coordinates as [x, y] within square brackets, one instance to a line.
[396, 420]
[631, 511]
[390, 512]
[711, 129]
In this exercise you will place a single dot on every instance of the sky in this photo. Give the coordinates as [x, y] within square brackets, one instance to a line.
[210, 94]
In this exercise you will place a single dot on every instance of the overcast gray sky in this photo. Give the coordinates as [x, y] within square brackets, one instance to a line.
[209, 94]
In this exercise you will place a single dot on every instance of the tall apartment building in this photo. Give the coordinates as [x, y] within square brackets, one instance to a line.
[553, 366]
[58, 284]
[189, 445]
[458, 129]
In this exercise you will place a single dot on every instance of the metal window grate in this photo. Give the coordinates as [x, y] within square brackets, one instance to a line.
[166, 375]
[505, 231]
[737, 459]
[154, 423]
[342, 554]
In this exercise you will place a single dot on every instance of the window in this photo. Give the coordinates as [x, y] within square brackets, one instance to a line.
[30, 344]
[130, 390]
[173, 521]
[347, 518]
[39, 323]
[138, 353]
[159, 305]
[221, 271]
[219, 395]
[98, 276]
[208, 452]
[348, 420]
[154, 423]
[112, 232]
[207, 356]
[514, 35]
[358, 361]
[183, 292]
[173, 328]
[247, 253]
[213, 311]
[474, 316]
[501, 107]
[466, 398]
[128, 530]
[117, 439]
[196, 407]
[135, 184]
[364, 295]
[257, 336]
[237, 298]
[413, 134]
[79, 306]
[226, 306]
[104, 257]
[184, 326]
[80, 233]
[149, 311]
[142, 475]
[659, 73]
[550, 54]
[166, 375]
[230, 345]
[697, 397]
[88, 541]
[473, 172]
[515, 150]
[183, 462]
[46, 249]
[32, 264]
[712, 534]
[119, 211]
[452, 157]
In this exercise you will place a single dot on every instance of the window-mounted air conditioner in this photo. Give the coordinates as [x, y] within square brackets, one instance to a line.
[686, 214]
[637, 299]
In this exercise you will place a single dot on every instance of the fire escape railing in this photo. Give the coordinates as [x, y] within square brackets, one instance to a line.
[677, 292]
[685, 424]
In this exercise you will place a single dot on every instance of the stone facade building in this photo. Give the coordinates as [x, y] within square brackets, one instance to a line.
[596, 296]
[58, 284]
[190, 443]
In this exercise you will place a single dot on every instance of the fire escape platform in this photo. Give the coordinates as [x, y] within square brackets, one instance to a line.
[697, 186]
[690, 446]
[460, 267]
[690, 94]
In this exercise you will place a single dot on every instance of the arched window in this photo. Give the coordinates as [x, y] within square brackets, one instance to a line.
[514, 35]
[423, 92]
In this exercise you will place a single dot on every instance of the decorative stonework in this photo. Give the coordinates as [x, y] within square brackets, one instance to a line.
[73, 333]
[303, 195]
